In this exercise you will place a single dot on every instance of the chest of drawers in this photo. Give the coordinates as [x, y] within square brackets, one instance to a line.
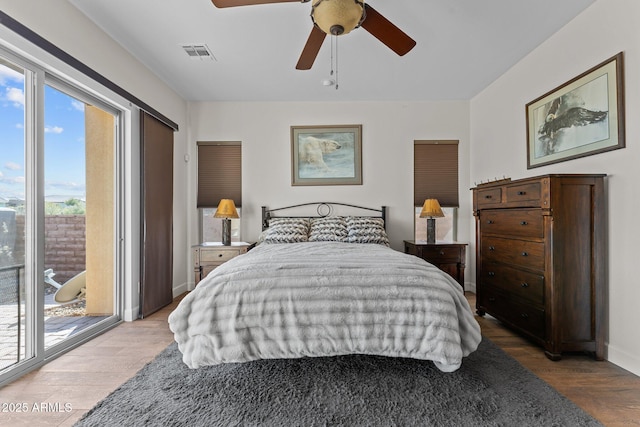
[540, 259]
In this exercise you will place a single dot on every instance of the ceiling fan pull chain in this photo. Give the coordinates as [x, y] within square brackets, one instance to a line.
[336, 37]
[331, 43]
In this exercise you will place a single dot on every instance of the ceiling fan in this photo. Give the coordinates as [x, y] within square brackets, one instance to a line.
[339, 17]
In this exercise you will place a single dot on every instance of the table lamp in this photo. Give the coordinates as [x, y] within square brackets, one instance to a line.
[431, 210]
[226, 210]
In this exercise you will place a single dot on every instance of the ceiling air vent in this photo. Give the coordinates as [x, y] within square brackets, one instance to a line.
[198, 51]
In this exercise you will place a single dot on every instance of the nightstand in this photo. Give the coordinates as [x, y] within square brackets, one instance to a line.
[208, 256]
[447, 256]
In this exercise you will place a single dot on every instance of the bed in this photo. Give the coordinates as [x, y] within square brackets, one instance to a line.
[325, 285]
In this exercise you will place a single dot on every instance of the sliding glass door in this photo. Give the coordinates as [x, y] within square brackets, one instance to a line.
[60, 215]
[15, 345]
[79, 213]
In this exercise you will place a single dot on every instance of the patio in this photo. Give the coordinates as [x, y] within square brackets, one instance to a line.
[56, 329]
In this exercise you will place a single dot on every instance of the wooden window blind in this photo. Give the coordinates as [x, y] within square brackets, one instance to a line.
[435, 172]
[219, 173]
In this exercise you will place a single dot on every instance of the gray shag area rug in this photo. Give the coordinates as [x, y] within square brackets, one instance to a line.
[490, 389]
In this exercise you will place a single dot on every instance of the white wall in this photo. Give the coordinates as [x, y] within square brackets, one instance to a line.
[63, 25]
[494, 128]
[388, 132]
[498, 138]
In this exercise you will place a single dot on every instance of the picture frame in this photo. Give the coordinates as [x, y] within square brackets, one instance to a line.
[582, 117]
[326, 155]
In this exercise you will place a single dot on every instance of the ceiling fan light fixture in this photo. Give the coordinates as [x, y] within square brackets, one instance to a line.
[337, 17]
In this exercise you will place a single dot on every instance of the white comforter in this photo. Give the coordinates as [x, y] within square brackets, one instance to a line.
[324, 299]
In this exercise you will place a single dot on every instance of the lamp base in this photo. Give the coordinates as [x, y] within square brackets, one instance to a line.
[226, 232]
[431, 230]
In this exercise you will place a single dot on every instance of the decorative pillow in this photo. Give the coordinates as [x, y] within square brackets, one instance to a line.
[328, 229]
[262, 236]
[287, 230]
[366, 230]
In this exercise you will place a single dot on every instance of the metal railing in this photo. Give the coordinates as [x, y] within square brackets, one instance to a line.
[11, 293]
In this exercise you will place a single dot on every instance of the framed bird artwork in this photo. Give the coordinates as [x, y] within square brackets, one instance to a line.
[582, 117]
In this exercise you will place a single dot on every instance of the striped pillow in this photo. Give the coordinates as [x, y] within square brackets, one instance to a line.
[287, 230]
[329, 229]
[366, 230]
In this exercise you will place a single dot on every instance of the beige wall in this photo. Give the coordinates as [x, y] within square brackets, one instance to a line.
[100, 216]
[498, 145]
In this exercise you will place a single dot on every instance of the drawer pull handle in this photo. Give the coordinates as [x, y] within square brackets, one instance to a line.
[490, 221]
[521, 193]
[524, 223]
[441, 252]
[524, 284]
[488, 196]
[525, 254]
[524, 315]
[219, 255]
[492, 273]
[492, 299]
[492, 248]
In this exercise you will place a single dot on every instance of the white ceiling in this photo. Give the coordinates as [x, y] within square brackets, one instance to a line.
[462, 46]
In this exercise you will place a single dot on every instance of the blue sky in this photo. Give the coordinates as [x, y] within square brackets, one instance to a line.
[64, 140]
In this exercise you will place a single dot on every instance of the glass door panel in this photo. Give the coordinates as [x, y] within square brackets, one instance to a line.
[15, 342]
[79, 222]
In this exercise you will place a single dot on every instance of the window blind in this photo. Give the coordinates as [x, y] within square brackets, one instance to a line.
[435, 172]
[219, 173]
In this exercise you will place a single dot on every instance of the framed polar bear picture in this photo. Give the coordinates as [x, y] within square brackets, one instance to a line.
[326, 155]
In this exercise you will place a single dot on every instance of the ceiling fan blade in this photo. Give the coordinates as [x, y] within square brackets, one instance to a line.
[233, 3]
[311, 49]
[386, 32]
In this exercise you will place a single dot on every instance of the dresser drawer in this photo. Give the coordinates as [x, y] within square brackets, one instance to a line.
[524, 285]
[513, 222]
[526, 192]
[489, 197]
[523, 316]
[440, 254]
[522, 253]
[217, 255]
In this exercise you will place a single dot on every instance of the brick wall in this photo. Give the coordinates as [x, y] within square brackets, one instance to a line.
[64, 247]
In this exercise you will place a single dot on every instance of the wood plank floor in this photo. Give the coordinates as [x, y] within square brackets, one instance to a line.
[89, 373]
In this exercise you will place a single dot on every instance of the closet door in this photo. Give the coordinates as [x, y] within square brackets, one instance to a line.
[156, 286]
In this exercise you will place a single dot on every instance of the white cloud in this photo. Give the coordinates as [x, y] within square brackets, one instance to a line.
[12, 179]
[53, 129]
[7, 74]
[15, 95]
[77, 105]
[12, 166]
[66, 186]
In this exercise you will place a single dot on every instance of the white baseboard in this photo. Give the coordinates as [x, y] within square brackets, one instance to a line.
[131, 314]
[623, 359]
[180, 289]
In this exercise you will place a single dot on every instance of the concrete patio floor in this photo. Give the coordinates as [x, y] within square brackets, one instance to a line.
[56, 329]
